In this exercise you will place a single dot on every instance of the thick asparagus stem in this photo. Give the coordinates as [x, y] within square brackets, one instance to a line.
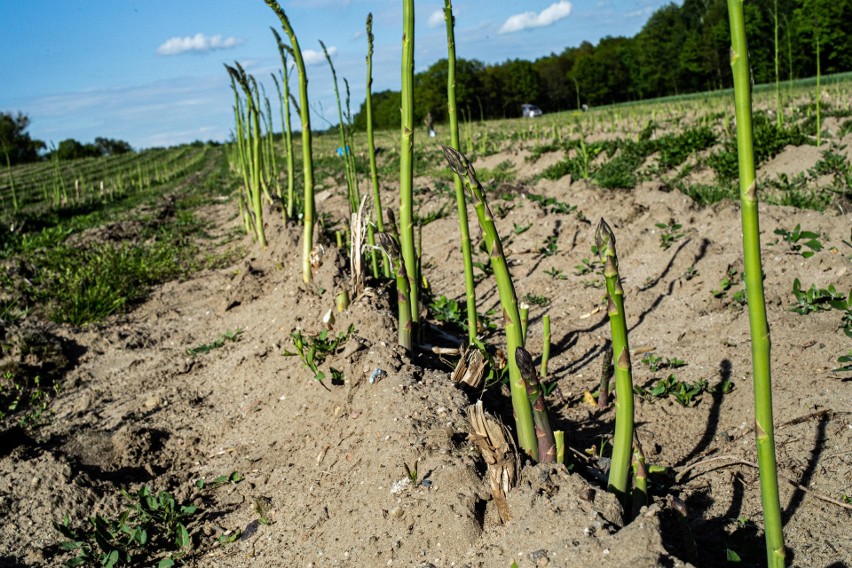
[307, 164]
[461, 206]
[406, 163]
[545, 347]
[543, 431]
[371, 146]
[620, 469]
[758, 325]
[508, 300]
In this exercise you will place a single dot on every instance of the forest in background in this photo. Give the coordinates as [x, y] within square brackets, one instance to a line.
[681, 49]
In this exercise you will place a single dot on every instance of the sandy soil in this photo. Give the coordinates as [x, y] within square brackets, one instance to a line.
[324, 468]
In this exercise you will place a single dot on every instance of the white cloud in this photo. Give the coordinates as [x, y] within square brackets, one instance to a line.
[199, 43]
[313, 57]
[546, 17]
[436, 19]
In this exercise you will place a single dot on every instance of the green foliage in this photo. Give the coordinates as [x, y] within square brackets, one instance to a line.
[551, 204]
[314, 350]
[675, 149]
[454, 313]
[536, 300]
[656, 363]
[551, 246]
[589, 265]
[685, 393]
[30, 398]
[669, 233]
[86, 284]
[556, 274]
[816, 299]
[845, 363]
[822, 299]
[15, 142]
[809, 238]
[215, 344]
[732, 278]
[150, 525]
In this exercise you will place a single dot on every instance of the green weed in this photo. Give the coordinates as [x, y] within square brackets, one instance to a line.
[656, 363]
[215, 344]
[551, 246]
[536, 300]
[150, 525]
[809, 238]
[314, 350]
[556, 274]
[669, 233]
[820, 299]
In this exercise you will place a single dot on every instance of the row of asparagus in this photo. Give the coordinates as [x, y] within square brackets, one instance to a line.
[401, 260]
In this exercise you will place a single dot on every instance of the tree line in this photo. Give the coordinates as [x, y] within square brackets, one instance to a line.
[681, 49]
[18, 147]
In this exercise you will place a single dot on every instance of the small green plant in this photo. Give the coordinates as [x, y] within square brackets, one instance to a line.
[411, 472]
[685, 393]
[589, 265]
[845, 363]
[536, 300]
[314, 350]
[669, 233]
[551, 204]
[556, 274]
[656, 363]
[551, 247]
[732, 277]
[234, 478]
[28, 397]
[690, 273]
[150, 524]
[809, 239]
[817, 299]
[521, 229]
[216, 344]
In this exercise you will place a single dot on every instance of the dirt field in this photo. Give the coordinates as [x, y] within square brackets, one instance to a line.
[323, 470]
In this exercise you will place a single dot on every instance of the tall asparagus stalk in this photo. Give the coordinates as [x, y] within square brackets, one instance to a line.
[758, 325]
[623, 440]
[470, 289]
[351, 190]
[285, 120]
[390, 244]
[371, 145]
[406, 162]
[308, 237]
[508, 300]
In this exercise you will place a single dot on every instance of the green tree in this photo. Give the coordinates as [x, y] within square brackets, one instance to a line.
[15, 142]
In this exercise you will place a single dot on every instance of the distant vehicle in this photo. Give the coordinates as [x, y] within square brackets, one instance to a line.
[530, 111]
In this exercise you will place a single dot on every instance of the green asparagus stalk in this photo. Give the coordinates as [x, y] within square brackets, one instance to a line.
[606, 375]
[308, 237]
[758, 325]
[525, 318]
[543, 431]
[545, 347]
[559, 438]
[623, 440]
[371, 145]
[391, 246]
[406, 162]
[508, 300]
[461, 206]
[640, 477]
[285, 119]
[353, 201]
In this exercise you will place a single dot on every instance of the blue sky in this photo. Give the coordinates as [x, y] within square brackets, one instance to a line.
[150, 71]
